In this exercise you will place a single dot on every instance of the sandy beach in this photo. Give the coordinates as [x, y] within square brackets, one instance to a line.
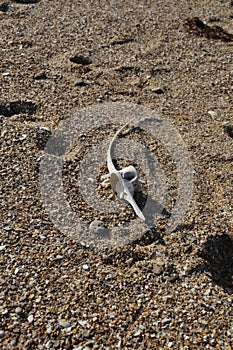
[159, 290]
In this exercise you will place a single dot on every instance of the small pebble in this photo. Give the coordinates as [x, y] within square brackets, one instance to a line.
[85, 267]
[160, 254]
[7, 228]
[158, 91]
[80, 83]
[40, 75]
[212, 113]
[157, 270]
[106, 183]
[48, 330]
[137, 333]
[45, 128]
[30, 318]
[19, 310]
[166, 320]
[2, 333]
[59, 257]
[64, 323]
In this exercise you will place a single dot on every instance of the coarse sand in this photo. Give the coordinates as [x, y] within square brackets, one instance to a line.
[161, 291]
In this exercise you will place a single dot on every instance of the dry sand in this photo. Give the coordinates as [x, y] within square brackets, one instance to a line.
[172, 292]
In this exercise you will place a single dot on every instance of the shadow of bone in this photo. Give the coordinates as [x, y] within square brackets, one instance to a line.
[153, 208]
[218, 255]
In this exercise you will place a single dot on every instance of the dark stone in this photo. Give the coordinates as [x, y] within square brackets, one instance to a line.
[40, 75]
[79, 59]
[158, 91]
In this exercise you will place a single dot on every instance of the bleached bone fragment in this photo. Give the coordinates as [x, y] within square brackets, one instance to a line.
[123, 181]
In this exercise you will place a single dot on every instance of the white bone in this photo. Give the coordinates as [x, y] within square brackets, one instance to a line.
[130, 173]
[125, 180]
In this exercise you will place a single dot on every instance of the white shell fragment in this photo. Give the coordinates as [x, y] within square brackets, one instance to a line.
[124, 181]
